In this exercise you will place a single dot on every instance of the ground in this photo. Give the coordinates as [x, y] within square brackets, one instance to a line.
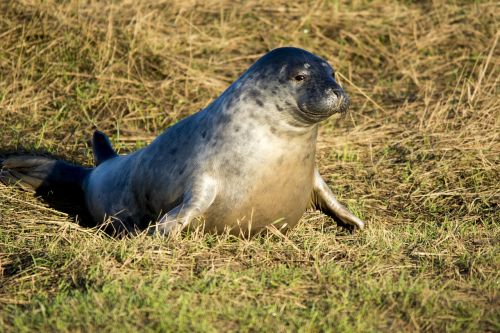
[417, 157]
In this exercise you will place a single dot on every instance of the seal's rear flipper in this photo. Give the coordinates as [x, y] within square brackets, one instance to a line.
[40, 173]
[102, 148]
[58, 183]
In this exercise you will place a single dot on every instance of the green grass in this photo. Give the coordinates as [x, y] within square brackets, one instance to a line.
[417, 156]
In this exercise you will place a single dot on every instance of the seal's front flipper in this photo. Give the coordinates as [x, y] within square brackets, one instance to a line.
[324, 200]
[195, 203]
[102, 148]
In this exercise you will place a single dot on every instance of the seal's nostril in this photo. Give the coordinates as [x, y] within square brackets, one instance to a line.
[331, 91]
[334, 91]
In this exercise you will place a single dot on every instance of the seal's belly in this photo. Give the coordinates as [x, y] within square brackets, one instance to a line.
[277, 197]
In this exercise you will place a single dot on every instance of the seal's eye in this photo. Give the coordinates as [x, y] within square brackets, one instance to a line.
[300, 78]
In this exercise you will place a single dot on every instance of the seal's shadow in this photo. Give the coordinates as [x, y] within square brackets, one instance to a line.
[66, 199]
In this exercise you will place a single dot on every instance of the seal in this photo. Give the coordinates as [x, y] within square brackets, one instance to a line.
[245, 162]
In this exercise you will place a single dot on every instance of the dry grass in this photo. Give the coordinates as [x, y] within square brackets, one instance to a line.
[418, 157]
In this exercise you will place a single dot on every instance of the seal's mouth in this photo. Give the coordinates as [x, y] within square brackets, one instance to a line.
[319, 112]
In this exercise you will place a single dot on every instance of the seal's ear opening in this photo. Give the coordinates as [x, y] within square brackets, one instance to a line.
[102, 148]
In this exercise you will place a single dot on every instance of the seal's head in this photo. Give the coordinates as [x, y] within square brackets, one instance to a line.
[300, 83]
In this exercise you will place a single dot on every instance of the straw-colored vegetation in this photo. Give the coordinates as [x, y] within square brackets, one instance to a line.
[417, 157]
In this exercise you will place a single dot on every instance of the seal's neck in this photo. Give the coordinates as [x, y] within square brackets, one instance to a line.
[243, 103]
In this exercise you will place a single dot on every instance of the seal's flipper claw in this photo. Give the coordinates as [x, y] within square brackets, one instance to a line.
[101, 146]
[325, 201]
